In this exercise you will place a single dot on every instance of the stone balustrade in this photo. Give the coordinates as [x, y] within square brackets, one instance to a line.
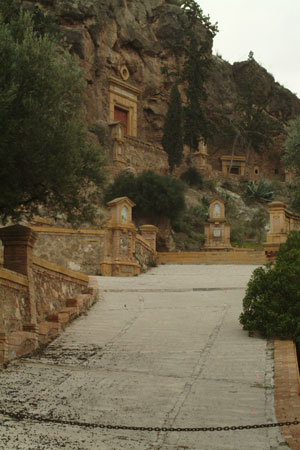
[37, 298]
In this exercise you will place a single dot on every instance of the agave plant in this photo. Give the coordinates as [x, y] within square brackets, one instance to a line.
[260, 191]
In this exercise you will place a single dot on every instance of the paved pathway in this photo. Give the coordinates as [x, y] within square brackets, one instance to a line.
[164, 349]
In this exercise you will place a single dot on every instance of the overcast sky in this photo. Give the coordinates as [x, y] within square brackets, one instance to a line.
[270, 28]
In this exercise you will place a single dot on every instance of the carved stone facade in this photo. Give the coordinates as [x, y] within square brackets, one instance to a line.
[123, 102]
[233, 165]
[122, 47]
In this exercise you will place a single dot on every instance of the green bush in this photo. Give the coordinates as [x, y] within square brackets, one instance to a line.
[192, 177]
[192, 219]
[272, 302]
[153, 194]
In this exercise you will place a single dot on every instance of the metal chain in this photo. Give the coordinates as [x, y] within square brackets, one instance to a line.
[23, 416]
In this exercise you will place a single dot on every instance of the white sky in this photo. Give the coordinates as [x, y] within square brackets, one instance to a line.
[270, 28]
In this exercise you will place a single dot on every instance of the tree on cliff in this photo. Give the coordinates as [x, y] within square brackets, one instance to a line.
[253, 126]
[195, 73]
[44, 155]
[154, 195]
[172, 134]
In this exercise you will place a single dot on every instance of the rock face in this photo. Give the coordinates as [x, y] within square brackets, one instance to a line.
[107, 35]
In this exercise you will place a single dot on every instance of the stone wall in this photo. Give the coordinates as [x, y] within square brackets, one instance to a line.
[14, 305]
[227, 256]
[134, 153]
[53, 286]
[80, 250]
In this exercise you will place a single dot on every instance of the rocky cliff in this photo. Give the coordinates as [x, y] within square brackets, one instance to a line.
[140, 34]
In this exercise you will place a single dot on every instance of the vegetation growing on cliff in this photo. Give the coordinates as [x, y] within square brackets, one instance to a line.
[195, 73]
[44, 155]
[153, 194]
[172, 141]
[291, 160]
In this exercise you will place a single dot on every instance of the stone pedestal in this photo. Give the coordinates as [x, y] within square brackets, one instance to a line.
[217, 229]
[119, 259]
[117, 135]
[18, 242]
[149, 232]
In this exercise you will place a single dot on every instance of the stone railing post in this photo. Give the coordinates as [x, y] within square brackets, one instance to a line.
[277, 212]
[18, 242]
[149, 232]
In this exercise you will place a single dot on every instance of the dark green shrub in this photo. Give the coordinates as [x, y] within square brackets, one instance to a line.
[154, 195]
[192, 177]
[227, 185]
[192, 219]
[272, 302]
[123, 185]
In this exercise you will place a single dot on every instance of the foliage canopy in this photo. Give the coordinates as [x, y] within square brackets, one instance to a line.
[44, 155]
[272, 302]
[192, 177]
[153, 194]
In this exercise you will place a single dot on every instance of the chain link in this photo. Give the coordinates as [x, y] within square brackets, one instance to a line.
[25, 416]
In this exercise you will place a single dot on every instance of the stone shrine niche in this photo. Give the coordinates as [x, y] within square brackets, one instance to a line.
[217, 211]
[217, 229]
[235, 165]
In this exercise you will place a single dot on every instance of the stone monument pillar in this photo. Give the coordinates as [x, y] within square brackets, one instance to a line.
[119, 259]
[217, 229]
[18, 242]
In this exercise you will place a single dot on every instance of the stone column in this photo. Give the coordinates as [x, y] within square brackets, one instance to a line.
[18, 242]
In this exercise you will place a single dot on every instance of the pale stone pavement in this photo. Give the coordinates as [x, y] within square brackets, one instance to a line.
[163, 349]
